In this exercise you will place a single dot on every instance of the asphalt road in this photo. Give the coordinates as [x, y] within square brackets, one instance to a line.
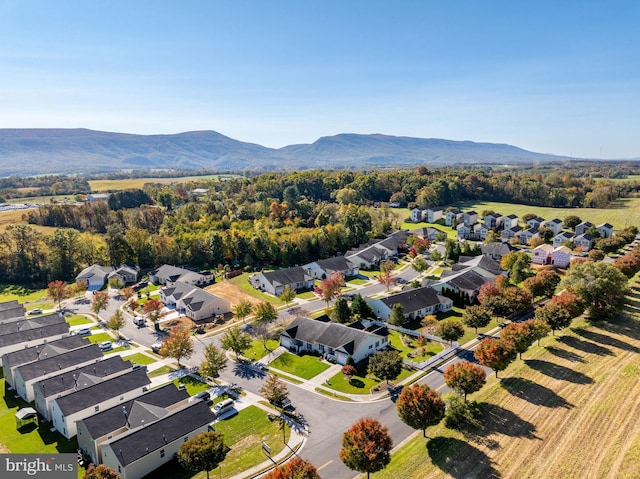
[326, 418]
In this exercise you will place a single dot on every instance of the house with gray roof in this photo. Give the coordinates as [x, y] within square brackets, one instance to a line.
[583, 241]
[583, 227]
[331, 340]
[554, 225]
[367, 257]
[561, 238]
[11, 310]
[142, 450]
[196, 303]
[482, 264]
[510, 233]
[107, 425]
[605, 230]
[95, 276]
[496, 250]
[467, 282]
[453, 217]
[324, 268]
[273, 282]
[11, 361]
[31, 337]
[23, 324]
[492, 220]
[28, 374]
[509, 221]
[80, 404]
[429, 233]
[80, 377]
[415, 302]
[168, 274]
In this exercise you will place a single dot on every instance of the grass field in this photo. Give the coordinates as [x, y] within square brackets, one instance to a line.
[304, 367]
[192, 385]
[9, 292]
[160, 371]
[139, 358]
[622, 213]
[258, 351]
[99, 186]
[77, 320]
[430, 349]
[568, 410]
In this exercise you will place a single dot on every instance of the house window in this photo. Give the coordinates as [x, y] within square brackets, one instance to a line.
[371, 346]
[161, 452]
[119, 469]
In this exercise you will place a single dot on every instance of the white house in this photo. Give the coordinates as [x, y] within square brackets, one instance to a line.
[510, 221]
[332, 340]
[324, 268]
[470, 218]
[605, 230]
[417, 215]
[273, 282]
[554, 225]
[17, 358]
[561, 238]
[416, 303]
[583, 227]
[32, 337]
[493, 220]
[561, 257]
[142, 450]
[583, 241]
[429, 233]
[480, 231]
[510, 233]
[535, 222]
[80, 404]
[527, 235]
[433, 215]
[542, 254]
[453, 217]
[168, 274]
[194, 302]
[28, 374]
[46, 390]
[94, 276]
[105, 426]
[463, 231]
[97, 197]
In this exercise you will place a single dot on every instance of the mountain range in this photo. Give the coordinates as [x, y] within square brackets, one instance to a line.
[26, 152]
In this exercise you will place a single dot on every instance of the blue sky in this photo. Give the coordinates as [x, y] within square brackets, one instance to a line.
[550, 76]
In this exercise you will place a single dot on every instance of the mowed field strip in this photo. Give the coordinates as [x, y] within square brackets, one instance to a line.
[98, 186]
[569, 409]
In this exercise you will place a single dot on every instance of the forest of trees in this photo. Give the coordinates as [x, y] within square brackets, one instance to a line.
[275, 219]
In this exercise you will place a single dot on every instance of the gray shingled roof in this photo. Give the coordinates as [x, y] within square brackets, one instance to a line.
[50, 349]
[22, 324]
[66, 360]
[148, 407]
[414, 299]
[496, 248]
[333, 335]
[337, 263]
[95, 270]
[467, 280]
[287, 276]
[33, 334]
[9, 305]
[145, 440]
[191, 295]
[101, 392]
[84, 376]
[9, 313]
[483, 261]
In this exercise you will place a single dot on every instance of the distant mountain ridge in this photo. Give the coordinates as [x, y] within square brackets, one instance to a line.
[81, 151]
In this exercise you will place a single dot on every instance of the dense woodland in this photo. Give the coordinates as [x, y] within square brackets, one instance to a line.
[273, 219]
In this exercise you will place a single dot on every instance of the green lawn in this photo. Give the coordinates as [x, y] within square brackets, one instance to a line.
[620, 214]
[44, 305]
[258, 351]
[9, 292]
[139, 358]
[242, 282]
[306, 295]
[357, 281]
[160, 371]
[359, 384]
[77, 320]
[243, 435]
[30, 438]
[100, 337]
[430, 349]
[192, 384]
[305, 366]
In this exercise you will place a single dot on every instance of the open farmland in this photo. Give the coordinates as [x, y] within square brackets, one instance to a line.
[99, 186]
[569, 410]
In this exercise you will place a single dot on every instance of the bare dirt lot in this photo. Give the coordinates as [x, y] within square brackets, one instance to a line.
[570, 409]
[231, 292]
